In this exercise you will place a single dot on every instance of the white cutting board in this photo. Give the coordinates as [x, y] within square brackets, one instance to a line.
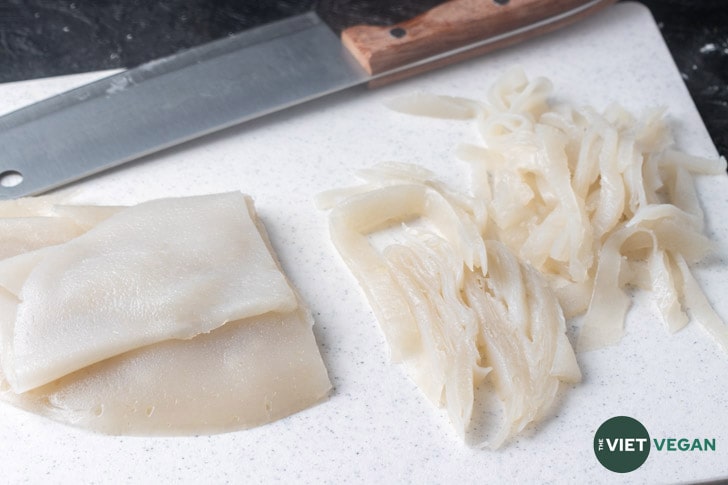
[376, 427]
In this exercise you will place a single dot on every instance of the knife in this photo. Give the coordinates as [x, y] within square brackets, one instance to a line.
[201, 90]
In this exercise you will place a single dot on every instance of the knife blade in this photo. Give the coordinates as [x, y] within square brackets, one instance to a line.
[211, 87]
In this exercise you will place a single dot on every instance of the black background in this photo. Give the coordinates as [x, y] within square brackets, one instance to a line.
[40, 38]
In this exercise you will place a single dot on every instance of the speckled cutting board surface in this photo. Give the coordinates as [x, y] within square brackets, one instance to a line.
[376, 426]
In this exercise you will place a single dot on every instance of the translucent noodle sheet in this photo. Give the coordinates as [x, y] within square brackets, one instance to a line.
[171, 317]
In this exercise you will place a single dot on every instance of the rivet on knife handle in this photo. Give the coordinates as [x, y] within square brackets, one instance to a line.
[472, 26]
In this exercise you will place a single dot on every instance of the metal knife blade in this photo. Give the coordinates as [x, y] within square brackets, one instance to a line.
[169, 101]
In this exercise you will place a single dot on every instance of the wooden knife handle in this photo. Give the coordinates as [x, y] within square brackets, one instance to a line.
[456, 24]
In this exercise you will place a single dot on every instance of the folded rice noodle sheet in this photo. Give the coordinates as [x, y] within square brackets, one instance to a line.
[169, 317]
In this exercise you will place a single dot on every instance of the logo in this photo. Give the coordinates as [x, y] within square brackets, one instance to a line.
[622, 444]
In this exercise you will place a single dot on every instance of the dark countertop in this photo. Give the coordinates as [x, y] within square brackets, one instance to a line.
[40, 38]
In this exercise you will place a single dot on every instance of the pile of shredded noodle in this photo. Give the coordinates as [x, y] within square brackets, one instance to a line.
[454, 307]
[567, 207]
